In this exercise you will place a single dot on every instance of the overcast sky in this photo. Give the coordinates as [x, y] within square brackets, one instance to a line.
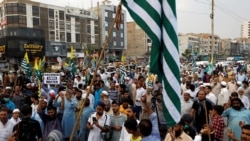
[193, 15]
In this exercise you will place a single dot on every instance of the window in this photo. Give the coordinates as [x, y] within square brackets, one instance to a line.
[122, 44]
[61, 15]
[114, 43]
[51, 35]
[51, 24]
[62, 25]
[22, 20]
[35, 11]
[68, 27]
[88, 29]
[106, 33]
[21, 8]
[36, 21]
[121, 26]
[106, 13]
[106, 24]
[113, 15]
[78, 38]
[68, 18]
[12, 19]
[62, 36]
[68, 37]
[96, 30]
[51, 13]
[114, 34]
[77, 26]
[11, 8]
[77, 19]
[121, 35]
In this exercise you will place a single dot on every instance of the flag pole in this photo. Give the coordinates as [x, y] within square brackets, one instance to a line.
[97, 67]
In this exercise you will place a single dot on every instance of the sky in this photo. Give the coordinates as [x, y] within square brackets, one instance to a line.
[192, 15]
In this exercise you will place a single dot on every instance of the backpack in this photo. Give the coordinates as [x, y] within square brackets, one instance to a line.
[107, 135]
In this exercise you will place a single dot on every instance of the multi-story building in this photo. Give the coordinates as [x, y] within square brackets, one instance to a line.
[139, 44]
[225, 47]
[188, 41]
[41, 29]
[118, 38]
[245, 30]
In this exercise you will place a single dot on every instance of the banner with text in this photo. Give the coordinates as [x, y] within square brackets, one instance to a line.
[51, 78]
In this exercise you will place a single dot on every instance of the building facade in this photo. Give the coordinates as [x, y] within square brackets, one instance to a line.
[118, 38]
[45, 30]
[139, 44]
[245, 30]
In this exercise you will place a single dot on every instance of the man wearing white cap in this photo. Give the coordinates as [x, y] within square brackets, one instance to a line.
[15, 116]
[224, 95]
[186, 103]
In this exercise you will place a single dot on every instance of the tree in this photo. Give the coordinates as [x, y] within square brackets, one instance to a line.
[187, 54]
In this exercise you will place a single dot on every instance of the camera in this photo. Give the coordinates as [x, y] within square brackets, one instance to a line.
[94, 119]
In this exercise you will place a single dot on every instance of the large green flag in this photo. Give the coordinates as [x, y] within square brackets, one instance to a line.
[158, 19]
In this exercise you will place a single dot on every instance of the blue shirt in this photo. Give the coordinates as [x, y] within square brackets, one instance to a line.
[155, 134]
[84, 131]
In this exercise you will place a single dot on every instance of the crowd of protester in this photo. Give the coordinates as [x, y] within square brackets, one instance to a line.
[214, 107]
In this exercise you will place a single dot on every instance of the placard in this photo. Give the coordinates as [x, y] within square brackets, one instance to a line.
[51, 78]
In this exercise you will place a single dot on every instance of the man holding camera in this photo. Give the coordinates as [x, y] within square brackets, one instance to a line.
[98, 123]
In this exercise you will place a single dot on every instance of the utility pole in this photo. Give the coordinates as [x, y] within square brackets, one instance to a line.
[212, 32]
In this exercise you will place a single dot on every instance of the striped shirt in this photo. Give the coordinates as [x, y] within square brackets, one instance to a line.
[113, 94]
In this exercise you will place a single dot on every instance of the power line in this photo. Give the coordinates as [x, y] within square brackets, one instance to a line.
[230, 11]
[225, 10]
[193, 12]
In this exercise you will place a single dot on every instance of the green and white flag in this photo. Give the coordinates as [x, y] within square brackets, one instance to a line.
[158, 19]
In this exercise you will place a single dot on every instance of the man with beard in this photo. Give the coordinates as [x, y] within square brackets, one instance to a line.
[245, 135]
[176, 133]
[117, 120]
[201, 110]
[98, 123]
[236, 114]
[51, 120]
[6, 126]
[131, 114]
[79, 104]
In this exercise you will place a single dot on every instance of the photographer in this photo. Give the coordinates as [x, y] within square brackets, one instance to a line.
[148, 128]
[98, 123]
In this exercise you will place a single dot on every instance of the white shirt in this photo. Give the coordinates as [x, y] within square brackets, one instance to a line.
[91, 99]
[223, 97]
[125, 136]
[95, 134]
[6, 130]
[212, 97]
[15, 121]
[244, 99]
[186, 106]
[139, 93]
